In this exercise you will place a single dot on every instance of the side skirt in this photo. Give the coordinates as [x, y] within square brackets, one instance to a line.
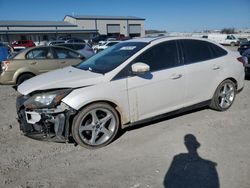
[169, 114]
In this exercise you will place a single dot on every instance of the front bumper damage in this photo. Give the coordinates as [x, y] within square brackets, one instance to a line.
[44, 124]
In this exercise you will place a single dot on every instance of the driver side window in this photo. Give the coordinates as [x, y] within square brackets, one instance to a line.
[161, 56]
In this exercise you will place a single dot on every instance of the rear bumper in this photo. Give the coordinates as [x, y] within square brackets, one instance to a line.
[6, 78]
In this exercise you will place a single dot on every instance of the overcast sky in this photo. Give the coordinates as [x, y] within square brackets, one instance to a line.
[174, 15]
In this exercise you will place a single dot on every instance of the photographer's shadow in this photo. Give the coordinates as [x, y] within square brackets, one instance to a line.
[189, 170]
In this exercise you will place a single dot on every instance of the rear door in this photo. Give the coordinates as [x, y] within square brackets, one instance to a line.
[66, 57]
[203, 70]
[161, 90]
[41, 60]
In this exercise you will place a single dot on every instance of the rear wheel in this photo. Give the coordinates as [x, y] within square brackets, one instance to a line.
[95, 126]
[23, 78]
[224, 96]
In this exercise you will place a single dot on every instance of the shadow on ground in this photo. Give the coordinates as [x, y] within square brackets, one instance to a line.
[189, 170]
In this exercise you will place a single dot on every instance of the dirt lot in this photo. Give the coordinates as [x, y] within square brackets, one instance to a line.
[138, 158]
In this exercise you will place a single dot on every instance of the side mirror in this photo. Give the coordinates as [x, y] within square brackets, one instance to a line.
[140, 68]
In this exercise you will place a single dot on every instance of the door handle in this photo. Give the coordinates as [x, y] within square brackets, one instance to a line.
[216, 67]
[175, 76]
[33, 63]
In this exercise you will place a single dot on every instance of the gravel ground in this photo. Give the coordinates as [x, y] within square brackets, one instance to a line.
[139, 158]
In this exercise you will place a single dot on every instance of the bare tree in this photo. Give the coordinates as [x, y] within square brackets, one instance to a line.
[228, 31]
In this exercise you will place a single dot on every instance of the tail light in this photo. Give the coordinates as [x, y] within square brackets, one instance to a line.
[5, 65]
[243, 60]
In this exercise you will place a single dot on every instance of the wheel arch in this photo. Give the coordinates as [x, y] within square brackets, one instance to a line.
[122, 117]
[23, 73]
[233, 80]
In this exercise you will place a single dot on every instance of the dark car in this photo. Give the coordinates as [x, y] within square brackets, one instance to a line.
[244, 47]
[246, 55]
[242, 41]
[99, 38]
[75, 40]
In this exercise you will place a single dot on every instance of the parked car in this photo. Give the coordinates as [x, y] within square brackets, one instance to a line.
[246, 56]
[224, 39]
[82, 48]
[98, 38]
[64, 38]
[242, 41]
[18, 48]
[104, 46]
[131, 82]
[36, 60]
[25, 43]
[55, 42]
[244, 47]
[75, 40]
[102, 42]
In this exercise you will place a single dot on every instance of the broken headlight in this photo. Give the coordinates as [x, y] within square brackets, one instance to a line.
[46, 99]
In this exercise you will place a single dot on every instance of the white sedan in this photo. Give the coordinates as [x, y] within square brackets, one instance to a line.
[104, 45]
[131, 82]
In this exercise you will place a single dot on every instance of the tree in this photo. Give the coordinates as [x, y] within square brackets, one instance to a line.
[228, 31]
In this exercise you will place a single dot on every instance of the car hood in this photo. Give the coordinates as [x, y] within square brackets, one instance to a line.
[68, 77]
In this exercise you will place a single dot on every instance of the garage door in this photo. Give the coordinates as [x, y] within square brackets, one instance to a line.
[114, 28]
[134, 29]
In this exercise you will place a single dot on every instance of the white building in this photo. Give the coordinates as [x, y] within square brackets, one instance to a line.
[110, 25]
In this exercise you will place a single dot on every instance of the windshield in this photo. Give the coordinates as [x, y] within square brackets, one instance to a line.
[233, 37]
[111, 58]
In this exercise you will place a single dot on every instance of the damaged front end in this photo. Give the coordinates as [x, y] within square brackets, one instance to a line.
[43, 116]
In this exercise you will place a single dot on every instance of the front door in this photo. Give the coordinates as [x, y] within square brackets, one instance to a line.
[161, 90]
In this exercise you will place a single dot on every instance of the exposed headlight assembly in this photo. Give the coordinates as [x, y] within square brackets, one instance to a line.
[46, 99]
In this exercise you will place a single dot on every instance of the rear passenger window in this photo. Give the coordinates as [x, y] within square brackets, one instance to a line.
[65, 54]
[161, 56]
[196, 50]
[38, 53]
[217, 51]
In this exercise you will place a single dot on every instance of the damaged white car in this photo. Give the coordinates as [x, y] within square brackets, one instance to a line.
[134, 81]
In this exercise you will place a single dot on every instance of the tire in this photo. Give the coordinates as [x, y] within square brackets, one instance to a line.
[23, 78]
[224, 96]
[95, 126]
[232, 44]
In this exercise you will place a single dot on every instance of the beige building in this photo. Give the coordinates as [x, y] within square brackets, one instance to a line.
[41, 30]
[110, 25]
[84, 27]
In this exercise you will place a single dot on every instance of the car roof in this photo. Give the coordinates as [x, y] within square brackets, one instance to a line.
[165, 38]
[22, 54]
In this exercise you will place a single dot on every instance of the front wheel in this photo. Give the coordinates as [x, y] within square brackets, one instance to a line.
[224, 96]
[232, 44]
[95, 126]
[23, 78]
